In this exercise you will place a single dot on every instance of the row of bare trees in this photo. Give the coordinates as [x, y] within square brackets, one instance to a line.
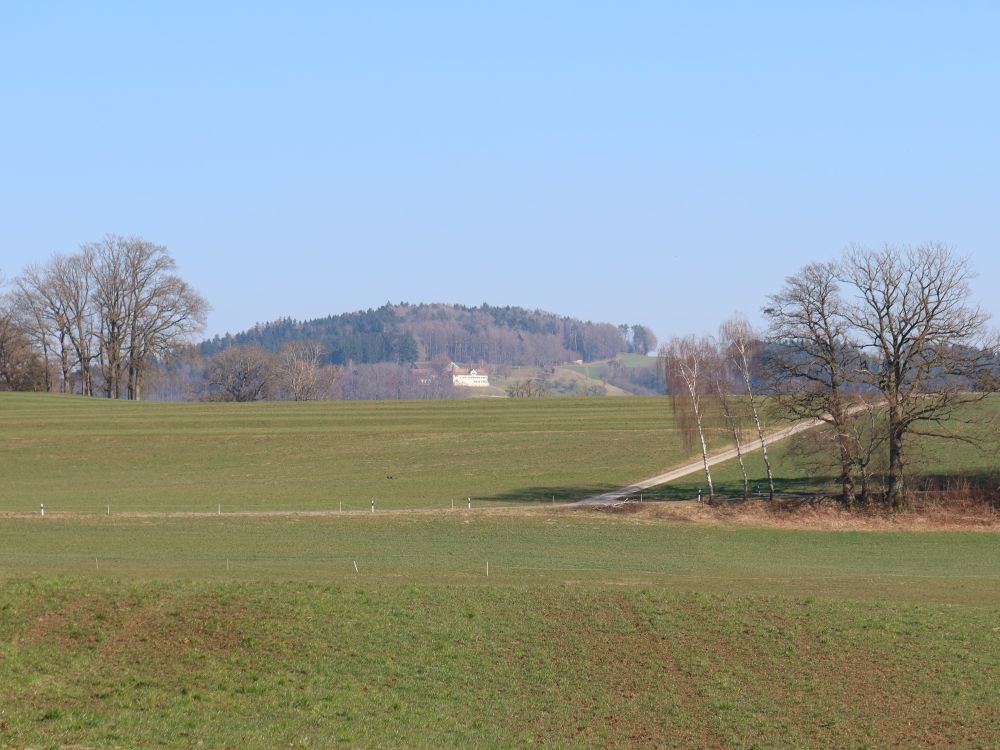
[299, 371]
[881, 345]
[529, 388]
[21, 369]
[95, 320]
[711, 383]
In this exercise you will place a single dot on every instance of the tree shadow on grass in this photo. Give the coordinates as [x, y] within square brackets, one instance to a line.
[988, 481]
[800, 487]
[797, 487]
[549, 494]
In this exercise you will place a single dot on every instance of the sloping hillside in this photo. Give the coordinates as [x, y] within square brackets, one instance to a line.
[486, 334]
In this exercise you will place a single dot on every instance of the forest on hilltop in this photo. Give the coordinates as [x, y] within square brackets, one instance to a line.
[487, 334]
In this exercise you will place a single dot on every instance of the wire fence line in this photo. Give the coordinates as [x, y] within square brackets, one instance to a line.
[223, 510]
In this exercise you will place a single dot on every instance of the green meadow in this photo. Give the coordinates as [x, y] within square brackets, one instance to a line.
[591, 629]
[516, 624]
[84, 455]
[81, 455]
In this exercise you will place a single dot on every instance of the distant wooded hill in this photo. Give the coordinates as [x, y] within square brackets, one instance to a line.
[407, 333]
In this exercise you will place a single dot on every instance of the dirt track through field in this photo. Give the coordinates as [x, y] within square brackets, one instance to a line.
[619, 495]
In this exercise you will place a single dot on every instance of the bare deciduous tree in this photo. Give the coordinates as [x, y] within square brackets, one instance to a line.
[110, 300]
[866, 431]
[21, 368]
[722, 377]
[142, 308]
[70, 278]
[41, 315]
[685, 362]
[55, 299]
[813, 358]
[914, 316]
[301, 374]
[239, 373]
[531, 388]
[739, 344]
[900, 356]
[167, 315]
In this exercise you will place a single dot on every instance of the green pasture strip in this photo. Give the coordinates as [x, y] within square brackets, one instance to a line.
[591, 630]
[376, 663]
[79, 454]
[594, 371]
[519, 546]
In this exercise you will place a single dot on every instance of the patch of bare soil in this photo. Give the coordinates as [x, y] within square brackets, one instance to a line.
[923, 514]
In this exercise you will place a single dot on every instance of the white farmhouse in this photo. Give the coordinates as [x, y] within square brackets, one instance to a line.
[460, 376]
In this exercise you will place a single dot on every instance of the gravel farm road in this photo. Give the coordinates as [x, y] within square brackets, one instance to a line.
[618, 495]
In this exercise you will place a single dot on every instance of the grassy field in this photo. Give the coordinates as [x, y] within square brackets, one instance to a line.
[592, 629]
[82, 455]
[603, 368]
[576, 380]
[564, 380]
[326, 629]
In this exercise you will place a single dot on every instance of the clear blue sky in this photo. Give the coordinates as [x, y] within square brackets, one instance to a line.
[628, 162]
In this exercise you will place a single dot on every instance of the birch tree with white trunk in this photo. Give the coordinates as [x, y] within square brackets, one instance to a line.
[724, 385]
[686, 361]
[740, 343]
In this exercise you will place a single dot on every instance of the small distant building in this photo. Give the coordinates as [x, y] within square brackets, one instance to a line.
[468, 378]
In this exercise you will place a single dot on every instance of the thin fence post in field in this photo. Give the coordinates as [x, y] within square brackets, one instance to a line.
[97, 565]
[220, 509]
[470, 503]
[356, 567]
[109, 509]
[373, 505]
[487, 568]
[341, 506]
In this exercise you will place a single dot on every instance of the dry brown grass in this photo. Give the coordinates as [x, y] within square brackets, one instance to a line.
[928, 511]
